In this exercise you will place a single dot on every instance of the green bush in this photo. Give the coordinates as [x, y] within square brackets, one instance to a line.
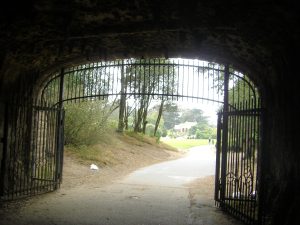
[150, 129]
[164, 133]
[86, 122]
[203, 131]
[198, 134]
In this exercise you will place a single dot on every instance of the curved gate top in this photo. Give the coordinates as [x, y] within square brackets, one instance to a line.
[172, 79]
[33, 132]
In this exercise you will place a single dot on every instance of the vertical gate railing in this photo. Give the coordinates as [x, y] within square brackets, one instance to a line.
[237, 191]
[46, 151]
[238, 144]
[30, 159]
[30, 151]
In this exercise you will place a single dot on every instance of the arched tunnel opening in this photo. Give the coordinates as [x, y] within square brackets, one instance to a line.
[32, 162]
[260, 39]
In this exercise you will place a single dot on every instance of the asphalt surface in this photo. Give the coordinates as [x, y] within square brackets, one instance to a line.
[154, 195]
[199, 162]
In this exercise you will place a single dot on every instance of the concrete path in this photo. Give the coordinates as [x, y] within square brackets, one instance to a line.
[155, 195]
[199, 162]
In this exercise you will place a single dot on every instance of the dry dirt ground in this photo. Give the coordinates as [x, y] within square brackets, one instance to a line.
[127, 155]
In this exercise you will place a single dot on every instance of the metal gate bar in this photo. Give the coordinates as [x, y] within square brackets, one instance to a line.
[240, 182]
[28, 165]
[173, 79]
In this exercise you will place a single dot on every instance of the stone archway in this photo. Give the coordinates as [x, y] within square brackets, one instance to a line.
[262, 38]
[36, 119]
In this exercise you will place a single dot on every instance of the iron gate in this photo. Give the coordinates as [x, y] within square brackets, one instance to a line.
[33, 149]
[238, 145]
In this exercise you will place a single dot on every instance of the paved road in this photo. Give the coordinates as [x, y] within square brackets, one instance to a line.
[155, 195]
[199, 162]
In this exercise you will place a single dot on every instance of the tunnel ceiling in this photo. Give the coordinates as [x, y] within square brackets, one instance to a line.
[41, 33]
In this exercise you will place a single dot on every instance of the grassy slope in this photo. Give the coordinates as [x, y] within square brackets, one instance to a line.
[114, 148]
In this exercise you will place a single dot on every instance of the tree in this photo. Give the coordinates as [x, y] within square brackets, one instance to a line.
[122, 107]
[198, 134]
[171, 115]
[146, 78]
[193, 115]
[203, 131]
[159, 116]
[86, 122]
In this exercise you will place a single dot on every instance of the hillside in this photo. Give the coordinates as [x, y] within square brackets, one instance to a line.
[116, 156]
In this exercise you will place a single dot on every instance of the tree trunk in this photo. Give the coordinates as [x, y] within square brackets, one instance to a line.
[139, 118]
[122, 100]
[159, 116]
[126, 117]
[145, 120]
[145, 113]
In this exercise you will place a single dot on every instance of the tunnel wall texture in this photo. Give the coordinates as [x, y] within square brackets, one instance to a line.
[260, 38]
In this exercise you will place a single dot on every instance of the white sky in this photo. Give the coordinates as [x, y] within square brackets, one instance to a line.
[209, 108]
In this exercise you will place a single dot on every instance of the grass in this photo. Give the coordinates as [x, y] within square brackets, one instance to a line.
[141, 138]
[100, 153]
[91, 154]
[111, 143]
[185, 143]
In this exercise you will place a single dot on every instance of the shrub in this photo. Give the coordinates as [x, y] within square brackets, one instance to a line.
[86, 122]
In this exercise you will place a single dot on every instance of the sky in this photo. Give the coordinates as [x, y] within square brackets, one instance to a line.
[209, 108]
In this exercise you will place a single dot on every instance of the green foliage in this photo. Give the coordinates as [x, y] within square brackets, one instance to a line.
[193, 115]
[86, 122]
[152, 118]
[150, 129]
[170, 115]
[148, 76]
[161, 132]
[198, 134]
[203, 131]
[184, 143]
[164, 132]
[241, 91]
